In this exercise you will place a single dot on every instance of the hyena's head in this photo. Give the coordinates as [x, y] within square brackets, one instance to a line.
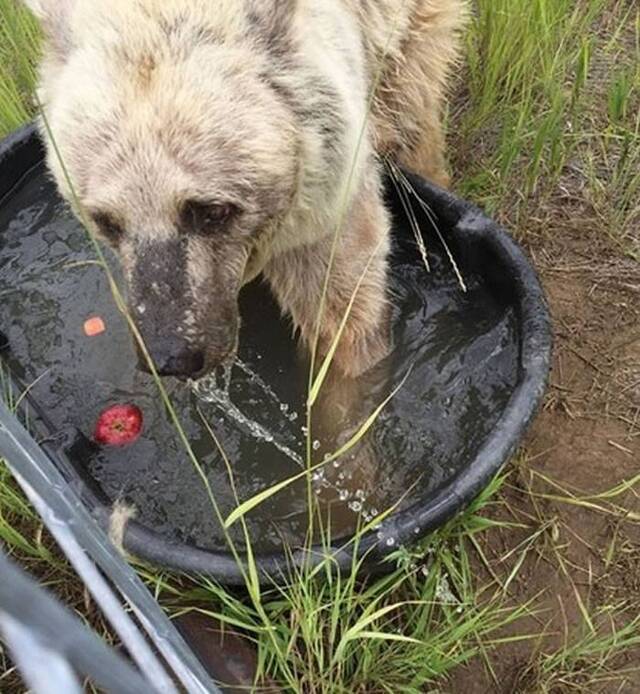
[180, 152]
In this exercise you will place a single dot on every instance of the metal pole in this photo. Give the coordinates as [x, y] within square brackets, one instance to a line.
[37, 627]
[62, 508]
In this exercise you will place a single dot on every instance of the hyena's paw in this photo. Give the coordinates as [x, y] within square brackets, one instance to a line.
[349, 486]
[344, 404]
[337, 421]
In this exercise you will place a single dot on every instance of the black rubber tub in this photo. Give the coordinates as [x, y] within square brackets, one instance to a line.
[482, 360]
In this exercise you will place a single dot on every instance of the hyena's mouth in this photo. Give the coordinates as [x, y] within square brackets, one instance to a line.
[174, 355]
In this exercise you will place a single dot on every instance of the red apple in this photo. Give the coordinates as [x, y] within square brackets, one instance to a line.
[118, 425]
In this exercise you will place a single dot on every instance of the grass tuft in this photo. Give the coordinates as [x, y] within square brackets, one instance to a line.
[19, 47]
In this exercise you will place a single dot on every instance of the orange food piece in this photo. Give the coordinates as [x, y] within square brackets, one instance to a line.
[94, 326]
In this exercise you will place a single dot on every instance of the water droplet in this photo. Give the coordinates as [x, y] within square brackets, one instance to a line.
[316, 445]
[336, 463]
[284, 408]
[355, 506]
[391, 541]
[444, 592]
[343, 494]
[360, 494]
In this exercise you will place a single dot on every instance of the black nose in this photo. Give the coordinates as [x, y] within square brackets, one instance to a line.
[174, 357]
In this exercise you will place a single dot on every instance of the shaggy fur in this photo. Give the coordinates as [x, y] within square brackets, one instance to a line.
[214, 140]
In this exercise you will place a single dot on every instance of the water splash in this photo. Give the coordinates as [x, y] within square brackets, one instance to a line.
[266, 389]
[214, 389]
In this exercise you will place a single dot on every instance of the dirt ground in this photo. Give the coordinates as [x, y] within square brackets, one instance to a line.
[578, 557]
[587, 439]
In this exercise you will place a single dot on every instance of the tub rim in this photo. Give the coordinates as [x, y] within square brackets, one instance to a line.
[22, 150]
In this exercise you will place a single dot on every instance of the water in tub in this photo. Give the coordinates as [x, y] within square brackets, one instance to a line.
[455, 355]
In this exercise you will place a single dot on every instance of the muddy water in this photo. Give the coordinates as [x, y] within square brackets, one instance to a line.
[456, 352]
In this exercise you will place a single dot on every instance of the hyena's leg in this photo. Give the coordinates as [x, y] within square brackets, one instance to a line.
[427, 156]
[410, 99]
[348, 394]
[297, 278]
[424, 151]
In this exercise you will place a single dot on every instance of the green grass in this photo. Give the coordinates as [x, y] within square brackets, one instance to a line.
[330, 631]
[528, 67]
[552, 84]
[586, 661]
[20, 527]
[550, 103]
[19, 43]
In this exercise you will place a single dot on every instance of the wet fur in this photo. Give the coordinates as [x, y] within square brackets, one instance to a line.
[260, 103]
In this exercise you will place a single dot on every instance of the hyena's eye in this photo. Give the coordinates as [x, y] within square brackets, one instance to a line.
[205, 217]
[108, 226]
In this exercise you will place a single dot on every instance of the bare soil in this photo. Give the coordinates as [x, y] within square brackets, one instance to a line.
[587, 440]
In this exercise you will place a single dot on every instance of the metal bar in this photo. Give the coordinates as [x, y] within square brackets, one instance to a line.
[43, 670]
[64, 508]
[30, 618]
[122, 624]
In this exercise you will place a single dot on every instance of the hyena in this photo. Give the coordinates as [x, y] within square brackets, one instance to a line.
[212, 141]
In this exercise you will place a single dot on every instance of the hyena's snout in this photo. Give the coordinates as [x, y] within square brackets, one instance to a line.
[184, 334]
[172, 356]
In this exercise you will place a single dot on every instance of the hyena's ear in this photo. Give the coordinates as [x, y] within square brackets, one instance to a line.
[54, 17]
